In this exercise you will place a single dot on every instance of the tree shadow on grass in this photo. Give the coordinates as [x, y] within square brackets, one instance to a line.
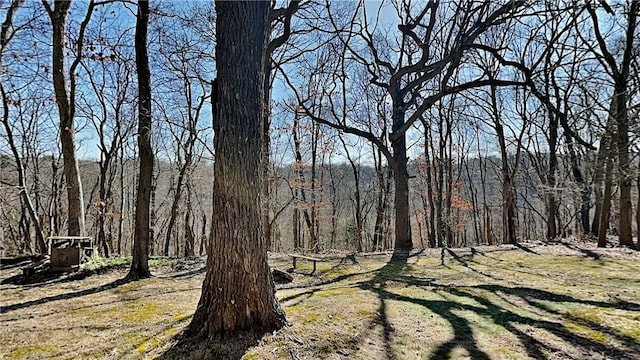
[464, 333]
[227, 348]
[537, 348]
[65, 296]
[534, 345]
[539, 328]
[190, 273]
[464, 260]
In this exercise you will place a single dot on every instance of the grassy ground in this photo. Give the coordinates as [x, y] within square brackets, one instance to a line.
[534, 302]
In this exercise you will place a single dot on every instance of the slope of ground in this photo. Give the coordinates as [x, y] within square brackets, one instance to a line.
[565, 301]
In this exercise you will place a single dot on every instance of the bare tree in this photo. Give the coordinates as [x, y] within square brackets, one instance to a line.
[619, 69]
[64, 84]
[280, 20]
[417, 67]
[6, 34]
[108, 70]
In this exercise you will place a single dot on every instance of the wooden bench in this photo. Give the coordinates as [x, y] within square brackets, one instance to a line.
[304, 257]
[69, 252]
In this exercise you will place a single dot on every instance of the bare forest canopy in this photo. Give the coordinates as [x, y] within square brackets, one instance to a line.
[424, 124]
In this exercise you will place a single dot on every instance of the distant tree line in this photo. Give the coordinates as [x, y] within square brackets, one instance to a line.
[391, 125]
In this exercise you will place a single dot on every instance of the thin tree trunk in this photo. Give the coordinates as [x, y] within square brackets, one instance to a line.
[54, 204]
[302, 183]
[203, 234]
[606, 204]
[189, 236]
[552, 206]
[122, 203]
[381, 203]
[295, 222]
[66, 111]
[32, 210]
[102, 204]
[266, 121]
[356, 193]
[22, 184]
[140, 263]
[176, 202]
[599, 178]
[431, 220]
[585, 190]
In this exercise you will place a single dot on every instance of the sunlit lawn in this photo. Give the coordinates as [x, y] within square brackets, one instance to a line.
[481, 303]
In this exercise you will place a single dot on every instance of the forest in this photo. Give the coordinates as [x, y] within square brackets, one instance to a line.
[502, 124]
[378, 141]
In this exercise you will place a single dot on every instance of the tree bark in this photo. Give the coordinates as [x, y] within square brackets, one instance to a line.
[140, 263]
[401, 180]
[238, 292]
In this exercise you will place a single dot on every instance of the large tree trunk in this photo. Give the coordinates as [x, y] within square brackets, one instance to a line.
[401, 181]
[140, 263]
[66, 106]
[238, 293]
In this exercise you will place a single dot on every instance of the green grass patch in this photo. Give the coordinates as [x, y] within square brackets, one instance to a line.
[100, 264]
[485, 303]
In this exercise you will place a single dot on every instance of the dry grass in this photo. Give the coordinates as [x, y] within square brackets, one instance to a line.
[539, 302]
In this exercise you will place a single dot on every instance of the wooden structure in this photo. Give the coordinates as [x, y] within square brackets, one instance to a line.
[304, 257]
[69, 252]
